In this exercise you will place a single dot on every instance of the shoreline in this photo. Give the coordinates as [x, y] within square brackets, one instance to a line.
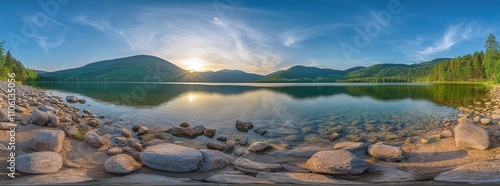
[84, 159]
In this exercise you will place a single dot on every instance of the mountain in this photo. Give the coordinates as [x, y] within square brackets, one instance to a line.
[374, 73]
[135, 69]
[142, 68]
[301, 73]
[229, 76]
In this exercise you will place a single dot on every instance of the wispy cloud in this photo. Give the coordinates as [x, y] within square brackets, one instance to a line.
[453, 35]
[421, 49]
[178, 35]
[292, 38]
[50, 33]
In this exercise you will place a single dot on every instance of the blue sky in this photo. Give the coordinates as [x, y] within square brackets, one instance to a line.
[258, 36]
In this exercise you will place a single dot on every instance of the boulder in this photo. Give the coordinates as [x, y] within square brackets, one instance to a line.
[189, 132]
[171, 157]
[185, 125]
[39, 117]
[121, 164]
[93, 139]
[209, 132]
[82, 101]
[20, 109]
[357, 148]
[4, 116]
[87, 111]
[132, 152]
[126, 133]
[114, 151]
[49, 140]
[476, 173]
[470, 136]
[215, 146]
[485, 121]
[53, 120]
[260, 130]
[336, 162]
[39, 162]
[53, 101]
[235, 179]
[495, 116]
[447, 133]
[386, 152]
[48, 108]
[94, 122]
[213, 160]
[243, 126]
[71, 99]
[248, 166]
[258, 146]
[142, 130]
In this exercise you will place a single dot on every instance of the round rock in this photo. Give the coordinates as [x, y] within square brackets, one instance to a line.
[171, 157]
[121, 164]
[336, 162]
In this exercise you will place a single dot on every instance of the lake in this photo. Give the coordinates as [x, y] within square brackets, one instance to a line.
[295, 114]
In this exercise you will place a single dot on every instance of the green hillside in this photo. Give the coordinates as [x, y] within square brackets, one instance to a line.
[140, 68]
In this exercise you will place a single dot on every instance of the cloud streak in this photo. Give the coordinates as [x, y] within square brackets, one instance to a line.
[178, 35]
[293, 37]
[453, 35]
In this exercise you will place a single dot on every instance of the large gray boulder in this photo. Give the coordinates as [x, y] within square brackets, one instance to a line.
[49, 140]
[470, 136]
[477, 173]
[336, 162]
[171, 157]
[386, 152]
[94, 139]
[213, 159]
[39, 117]
[39, 162]
[249, 166]
[121, 164]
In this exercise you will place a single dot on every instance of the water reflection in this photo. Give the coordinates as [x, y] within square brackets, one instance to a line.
[152, 95]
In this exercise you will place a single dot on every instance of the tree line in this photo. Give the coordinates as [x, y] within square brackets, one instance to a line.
[9, 64]
[477, 67]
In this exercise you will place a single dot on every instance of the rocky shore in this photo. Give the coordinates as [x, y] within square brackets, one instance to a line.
[55, 142]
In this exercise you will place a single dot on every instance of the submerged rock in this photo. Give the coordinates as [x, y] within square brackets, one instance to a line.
[71, 99]
[186, 132]
[235, 179]
[243, 126]
[258, 146]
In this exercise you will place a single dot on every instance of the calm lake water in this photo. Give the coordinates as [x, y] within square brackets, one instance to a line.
[296, 114]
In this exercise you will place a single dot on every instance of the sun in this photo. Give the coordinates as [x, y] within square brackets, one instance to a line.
[193, 65]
